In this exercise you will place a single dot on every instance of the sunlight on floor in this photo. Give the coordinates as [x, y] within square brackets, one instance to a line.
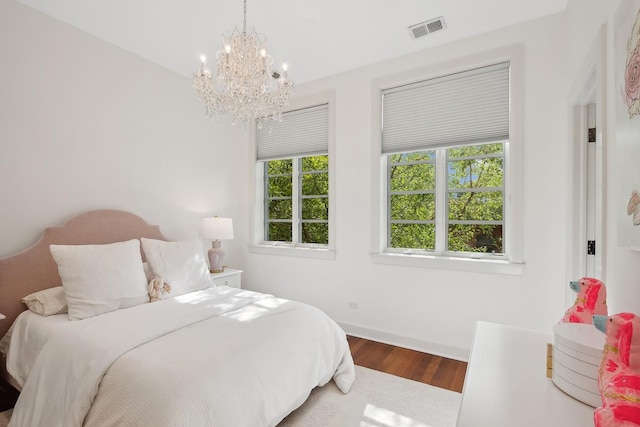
[379, 417]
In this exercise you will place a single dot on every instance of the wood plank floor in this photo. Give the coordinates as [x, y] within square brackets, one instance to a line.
[414, 365]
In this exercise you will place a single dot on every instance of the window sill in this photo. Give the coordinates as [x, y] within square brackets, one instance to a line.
[472, 265]
[317, 253]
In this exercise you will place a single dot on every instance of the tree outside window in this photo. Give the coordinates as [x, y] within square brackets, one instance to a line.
[452, 194]
[297, 200]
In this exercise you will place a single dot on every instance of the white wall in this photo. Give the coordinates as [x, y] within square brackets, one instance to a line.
[621, 266]
[85, 125]
[436, 310]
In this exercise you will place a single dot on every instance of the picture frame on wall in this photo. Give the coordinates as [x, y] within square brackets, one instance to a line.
[626, 162]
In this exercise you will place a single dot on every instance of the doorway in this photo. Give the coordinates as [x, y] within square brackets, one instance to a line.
[587, 124]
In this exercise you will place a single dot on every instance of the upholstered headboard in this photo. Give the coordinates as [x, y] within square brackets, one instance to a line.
[34, 268]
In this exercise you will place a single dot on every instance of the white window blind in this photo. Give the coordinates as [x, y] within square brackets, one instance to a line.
[303, 132]
[459, 109]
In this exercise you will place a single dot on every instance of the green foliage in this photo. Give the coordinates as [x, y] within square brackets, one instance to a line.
[315, 233]
[415, 236]
[279, 232]
[413, 206]
[314, 205]
[315, 163]
[418, 176]
[475, 180]
[279, 167]
[316, 208]
[280, 209]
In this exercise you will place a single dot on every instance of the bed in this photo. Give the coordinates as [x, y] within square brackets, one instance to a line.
[200, 356]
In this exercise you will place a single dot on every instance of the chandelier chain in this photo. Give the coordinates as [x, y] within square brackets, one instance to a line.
[244, 23]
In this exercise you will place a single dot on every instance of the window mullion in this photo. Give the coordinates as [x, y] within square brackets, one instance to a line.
[441, 201]
[296, 200]
[387, 163]
[265, 201]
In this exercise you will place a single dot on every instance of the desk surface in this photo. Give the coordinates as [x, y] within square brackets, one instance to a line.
[506, 385]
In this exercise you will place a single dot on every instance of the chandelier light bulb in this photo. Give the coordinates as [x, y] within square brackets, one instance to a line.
[227, 48]
[263, 52]
[203, 58]
[284, 66]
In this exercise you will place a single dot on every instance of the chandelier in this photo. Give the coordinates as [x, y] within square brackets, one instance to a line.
[245, 85]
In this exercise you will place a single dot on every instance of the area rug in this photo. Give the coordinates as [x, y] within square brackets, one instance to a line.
[380, 400]
[375, 400]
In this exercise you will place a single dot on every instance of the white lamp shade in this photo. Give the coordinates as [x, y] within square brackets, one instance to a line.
[216, 228]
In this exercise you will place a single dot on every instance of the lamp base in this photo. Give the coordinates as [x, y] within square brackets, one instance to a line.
[216, 255]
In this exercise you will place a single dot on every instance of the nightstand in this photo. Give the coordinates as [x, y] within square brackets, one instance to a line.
[229, 277]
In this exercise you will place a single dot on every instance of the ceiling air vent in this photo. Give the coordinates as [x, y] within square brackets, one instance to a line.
[424, 28]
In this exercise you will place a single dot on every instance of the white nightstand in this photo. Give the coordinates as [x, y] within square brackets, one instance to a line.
[229, 277]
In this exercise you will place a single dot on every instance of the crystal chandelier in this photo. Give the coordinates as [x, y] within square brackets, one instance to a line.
[246, 87]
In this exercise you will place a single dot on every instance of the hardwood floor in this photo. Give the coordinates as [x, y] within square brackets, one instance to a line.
[414, 365]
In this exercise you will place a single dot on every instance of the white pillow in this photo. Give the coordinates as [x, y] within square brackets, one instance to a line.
[147, 271]
[180, 264]
[101, 278]
[47, 302]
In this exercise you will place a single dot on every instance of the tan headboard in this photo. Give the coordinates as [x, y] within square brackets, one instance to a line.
[34, 268]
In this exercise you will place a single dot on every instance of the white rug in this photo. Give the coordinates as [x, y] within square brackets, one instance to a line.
[375, 400]
[378, 400]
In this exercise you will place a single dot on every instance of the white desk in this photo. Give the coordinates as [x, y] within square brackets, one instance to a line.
[506, 385]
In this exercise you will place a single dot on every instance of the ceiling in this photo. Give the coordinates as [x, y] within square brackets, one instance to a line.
[315, 37]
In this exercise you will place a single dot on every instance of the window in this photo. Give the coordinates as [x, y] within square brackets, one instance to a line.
[444, 145]
[305, 217]
[473, 192]
[293, 169]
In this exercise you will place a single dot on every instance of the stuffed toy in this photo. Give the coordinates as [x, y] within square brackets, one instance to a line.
[157, 287]
[619, 372]
[591, 300]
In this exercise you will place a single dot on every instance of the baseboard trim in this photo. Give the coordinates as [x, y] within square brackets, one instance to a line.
[406, 342]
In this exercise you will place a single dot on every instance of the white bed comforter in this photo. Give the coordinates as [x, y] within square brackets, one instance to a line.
[217, 357]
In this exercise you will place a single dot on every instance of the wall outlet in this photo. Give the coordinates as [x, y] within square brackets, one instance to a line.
[352, 305]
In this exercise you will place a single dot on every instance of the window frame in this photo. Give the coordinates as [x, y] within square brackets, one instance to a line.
[307, 250]
[441, 193]
[512, 262]
[297, 219]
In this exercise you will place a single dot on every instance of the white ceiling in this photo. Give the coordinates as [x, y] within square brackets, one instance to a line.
[315, 37]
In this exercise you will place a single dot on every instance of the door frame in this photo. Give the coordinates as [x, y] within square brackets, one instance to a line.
[590, 88]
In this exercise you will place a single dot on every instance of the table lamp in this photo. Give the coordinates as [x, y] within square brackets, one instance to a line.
[216, 229]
